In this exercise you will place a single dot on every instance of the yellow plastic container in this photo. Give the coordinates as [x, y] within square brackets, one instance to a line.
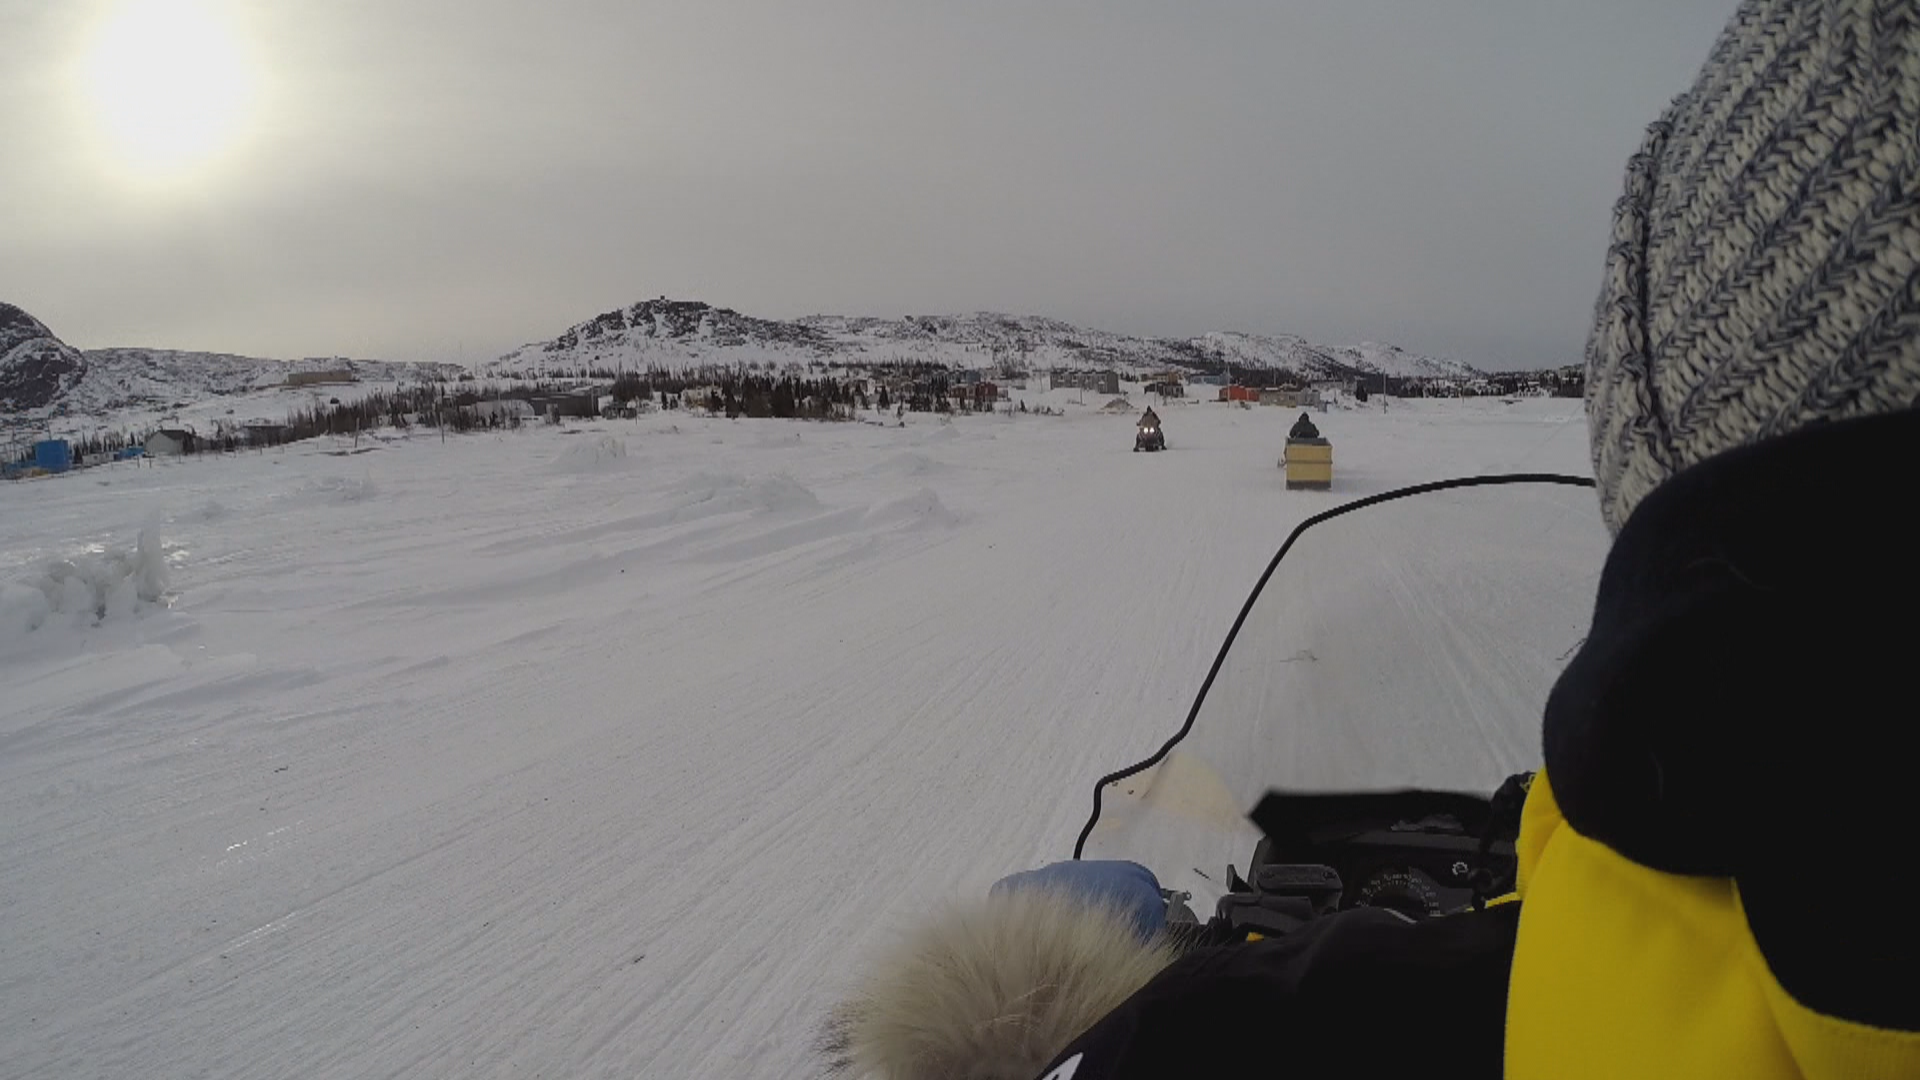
[1309, 464]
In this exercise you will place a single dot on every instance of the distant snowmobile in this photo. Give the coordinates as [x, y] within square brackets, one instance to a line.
[1149, 436]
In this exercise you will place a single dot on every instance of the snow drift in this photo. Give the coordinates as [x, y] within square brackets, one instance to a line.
[591, 455]
[724, 492]
[87, 588]
[922, 509]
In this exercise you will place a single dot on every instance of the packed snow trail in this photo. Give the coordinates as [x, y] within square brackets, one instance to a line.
[504, 757]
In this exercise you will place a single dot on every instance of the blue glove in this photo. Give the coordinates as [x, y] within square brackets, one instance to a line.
[1126, 886]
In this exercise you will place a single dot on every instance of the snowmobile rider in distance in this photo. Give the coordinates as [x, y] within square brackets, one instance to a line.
[1149, 436]
[1303, 429]
[1702, 869]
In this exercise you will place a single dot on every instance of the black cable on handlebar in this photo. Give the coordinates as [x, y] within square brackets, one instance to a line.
[1246, 609]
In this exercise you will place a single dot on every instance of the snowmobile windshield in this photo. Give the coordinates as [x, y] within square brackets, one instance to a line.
[1407, 640]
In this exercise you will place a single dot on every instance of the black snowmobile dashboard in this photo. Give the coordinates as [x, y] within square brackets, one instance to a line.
[1418, 853]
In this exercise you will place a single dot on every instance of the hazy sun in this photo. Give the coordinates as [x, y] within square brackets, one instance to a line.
[170, 83]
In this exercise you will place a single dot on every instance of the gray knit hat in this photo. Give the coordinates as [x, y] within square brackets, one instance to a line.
[1764, 271]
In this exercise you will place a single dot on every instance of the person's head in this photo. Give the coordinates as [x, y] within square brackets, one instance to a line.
[1764, 269]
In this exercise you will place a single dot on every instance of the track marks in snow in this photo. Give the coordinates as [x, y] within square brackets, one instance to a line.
[466, 798]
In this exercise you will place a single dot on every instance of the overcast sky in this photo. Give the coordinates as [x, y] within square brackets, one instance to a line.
[447, 179]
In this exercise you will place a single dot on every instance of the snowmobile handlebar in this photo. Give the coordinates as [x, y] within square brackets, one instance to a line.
[1420, 853]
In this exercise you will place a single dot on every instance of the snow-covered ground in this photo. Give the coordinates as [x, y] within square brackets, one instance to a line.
[605, 751]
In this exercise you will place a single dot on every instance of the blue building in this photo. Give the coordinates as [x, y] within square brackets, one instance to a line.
[53, 455]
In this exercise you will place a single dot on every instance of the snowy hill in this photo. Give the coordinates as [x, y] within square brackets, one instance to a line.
[36, 368]
[1299, 356]
[42, 376]
[119, 378]
[684, 333]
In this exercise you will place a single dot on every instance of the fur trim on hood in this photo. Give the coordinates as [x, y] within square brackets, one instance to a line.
[991, 991]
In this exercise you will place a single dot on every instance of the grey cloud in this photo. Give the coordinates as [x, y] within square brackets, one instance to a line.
[438, 178]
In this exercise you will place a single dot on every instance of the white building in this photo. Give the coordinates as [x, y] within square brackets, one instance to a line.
[169, 442]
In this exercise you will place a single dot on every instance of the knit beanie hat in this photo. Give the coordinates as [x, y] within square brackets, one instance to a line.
[1764, 270]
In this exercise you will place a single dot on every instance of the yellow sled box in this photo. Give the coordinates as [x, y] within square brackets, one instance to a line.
[1309, 464]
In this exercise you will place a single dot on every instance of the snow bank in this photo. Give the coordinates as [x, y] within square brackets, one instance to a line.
[784, 441]
[722, 492]
[590, 455]
[910, 464]
[340, 489]
[88, 588]
[943, 433]
[922, 509]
